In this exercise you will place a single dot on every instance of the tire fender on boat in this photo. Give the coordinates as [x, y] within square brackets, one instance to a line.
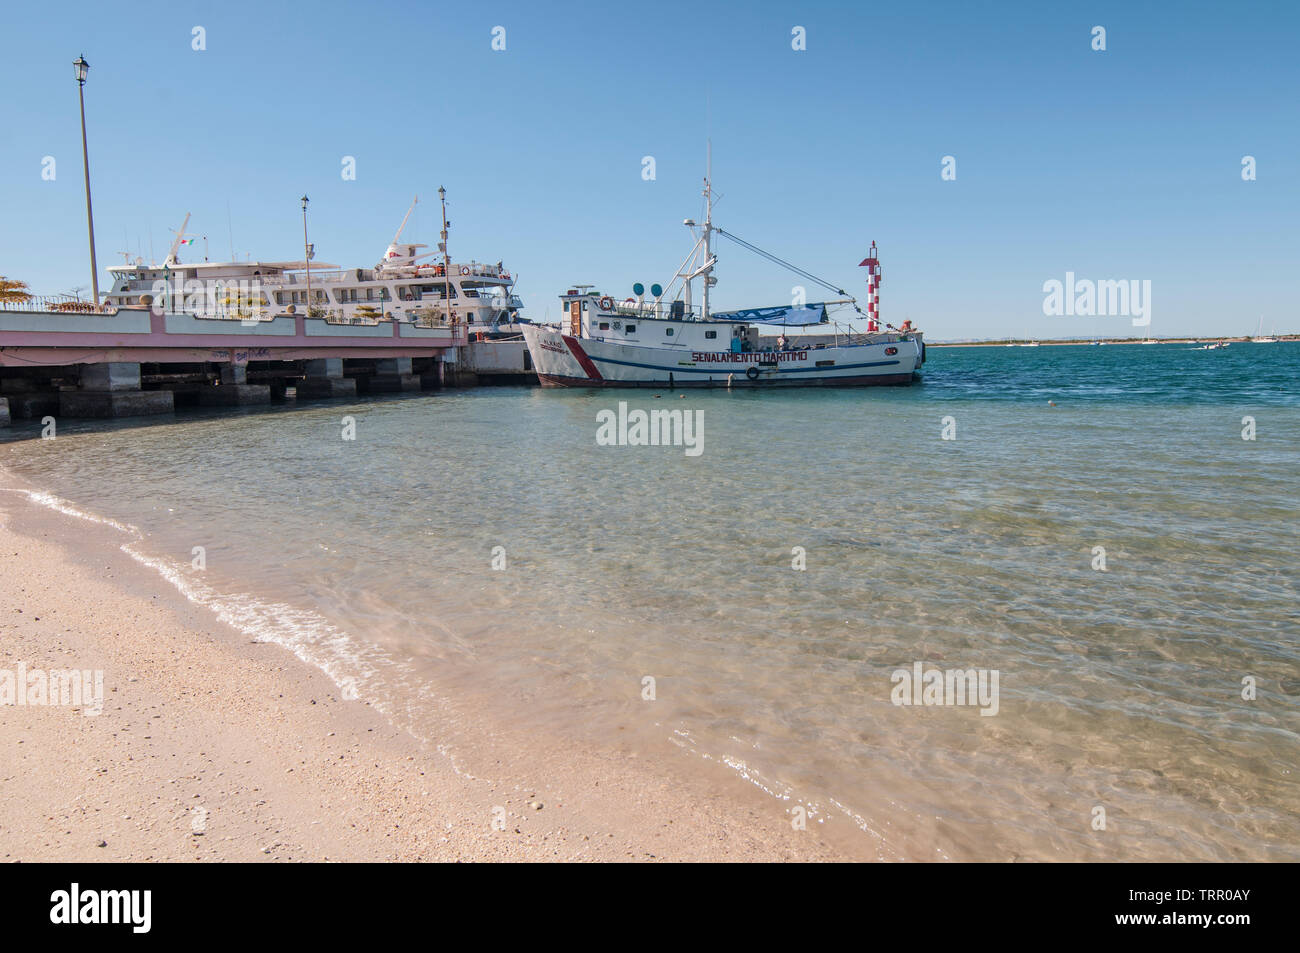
[752, 372]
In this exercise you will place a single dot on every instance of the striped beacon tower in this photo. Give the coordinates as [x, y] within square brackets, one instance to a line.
[872, 264]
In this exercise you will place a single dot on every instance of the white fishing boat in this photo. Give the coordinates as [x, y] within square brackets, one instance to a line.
[666, 341]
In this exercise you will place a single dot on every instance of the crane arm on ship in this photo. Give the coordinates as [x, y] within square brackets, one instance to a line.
[401, 228]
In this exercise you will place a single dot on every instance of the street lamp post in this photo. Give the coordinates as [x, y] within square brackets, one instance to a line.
[446, 259]
[306, 253]
[82, 67]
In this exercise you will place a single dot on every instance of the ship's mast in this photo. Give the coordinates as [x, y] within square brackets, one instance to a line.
[699, 263]
[707, 270]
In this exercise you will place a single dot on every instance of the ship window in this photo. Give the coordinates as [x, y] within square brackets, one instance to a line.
[668, 331]
[604, 325]
[630, 329]
[710, 334]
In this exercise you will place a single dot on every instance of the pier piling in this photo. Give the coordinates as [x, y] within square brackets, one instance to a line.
[392, 375]
[112, 389]
[325, 379]
[234, 389]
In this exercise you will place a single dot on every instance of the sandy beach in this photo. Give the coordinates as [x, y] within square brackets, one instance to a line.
[213, 747]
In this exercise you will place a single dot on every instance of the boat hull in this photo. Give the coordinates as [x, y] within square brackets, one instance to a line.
[562, 360]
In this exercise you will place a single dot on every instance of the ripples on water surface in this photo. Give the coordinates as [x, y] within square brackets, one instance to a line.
[1119, 688]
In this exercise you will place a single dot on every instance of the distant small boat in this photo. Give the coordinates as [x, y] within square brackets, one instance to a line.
[1260, 337]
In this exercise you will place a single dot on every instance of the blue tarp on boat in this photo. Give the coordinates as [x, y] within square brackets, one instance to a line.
[783, 314]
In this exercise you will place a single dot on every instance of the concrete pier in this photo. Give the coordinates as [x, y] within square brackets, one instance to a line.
[27, 400]
[112, 389]
[33, 406]
[325, 379]
[392, 376]
[234, 389]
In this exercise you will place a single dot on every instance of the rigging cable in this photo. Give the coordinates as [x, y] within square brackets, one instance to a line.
[787, 265]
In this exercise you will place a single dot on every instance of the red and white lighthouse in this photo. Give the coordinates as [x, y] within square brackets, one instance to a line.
[872, 264]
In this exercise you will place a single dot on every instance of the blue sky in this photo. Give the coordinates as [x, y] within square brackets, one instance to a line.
[1122, 164]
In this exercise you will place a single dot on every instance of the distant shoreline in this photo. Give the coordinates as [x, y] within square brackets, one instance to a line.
[1016, 342]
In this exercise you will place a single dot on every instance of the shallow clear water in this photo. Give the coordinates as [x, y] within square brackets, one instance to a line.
[1119, 689]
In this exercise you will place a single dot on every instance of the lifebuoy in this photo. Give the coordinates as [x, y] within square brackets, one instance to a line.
[751, 372]
[606, 303]
[464, 269]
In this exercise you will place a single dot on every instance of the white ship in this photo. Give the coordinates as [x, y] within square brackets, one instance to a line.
[409, 285]
[666, 341]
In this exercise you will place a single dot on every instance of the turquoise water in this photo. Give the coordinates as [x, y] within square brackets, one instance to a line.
[1119, 689]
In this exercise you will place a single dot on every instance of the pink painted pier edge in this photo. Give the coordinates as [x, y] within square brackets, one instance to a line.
[139, 335]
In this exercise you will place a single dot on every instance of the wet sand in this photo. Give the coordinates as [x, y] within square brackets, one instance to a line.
[213, 747]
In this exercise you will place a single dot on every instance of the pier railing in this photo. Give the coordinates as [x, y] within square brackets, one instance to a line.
[60, 303]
